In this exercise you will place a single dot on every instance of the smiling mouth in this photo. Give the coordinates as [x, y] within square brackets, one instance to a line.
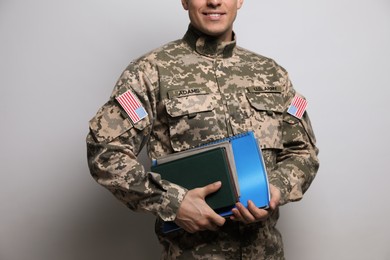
[214, 16]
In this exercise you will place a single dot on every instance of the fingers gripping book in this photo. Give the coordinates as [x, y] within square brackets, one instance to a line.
[236, 161]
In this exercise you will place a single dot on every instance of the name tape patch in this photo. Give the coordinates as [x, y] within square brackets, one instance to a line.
[187, 92]
[275, 89]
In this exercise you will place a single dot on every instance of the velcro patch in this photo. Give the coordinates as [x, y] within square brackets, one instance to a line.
[132, 106]
[187, 92]
[257, 89]
[297, 107]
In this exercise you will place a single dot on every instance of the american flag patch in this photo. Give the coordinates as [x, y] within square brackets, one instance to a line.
[132, 106]
[297, 107]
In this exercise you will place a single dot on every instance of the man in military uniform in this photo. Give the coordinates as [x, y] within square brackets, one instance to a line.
[187, 93]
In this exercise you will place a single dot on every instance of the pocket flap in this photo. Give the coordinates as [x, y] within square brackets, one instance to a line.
[180, 106]
[266, 101]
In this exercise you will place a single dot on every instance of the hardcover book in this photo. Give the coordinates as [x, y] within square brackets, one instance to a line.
[201, 169]
[236, 161]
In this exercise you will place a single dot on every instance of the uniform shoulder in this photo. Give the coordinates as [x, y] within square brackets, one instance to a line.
[148, 66]
[163, 53]
[252, 56]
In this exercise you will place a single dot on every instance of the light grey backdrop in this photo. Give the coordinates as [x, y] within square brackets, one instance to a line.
[59, 61]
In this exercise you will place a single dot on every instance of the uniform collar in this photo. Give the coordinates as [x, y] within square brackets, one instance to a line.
[208, 46]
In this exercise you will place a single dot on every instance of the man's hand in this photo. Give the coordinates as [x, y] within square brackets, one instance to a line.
[254, 214]
[194, 214]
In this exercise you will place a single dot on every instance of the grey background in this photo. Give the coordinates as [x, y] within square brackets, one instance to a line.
[59, 61]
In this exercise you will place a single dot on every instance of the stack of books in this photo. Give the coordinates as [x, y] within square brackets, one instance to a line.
[235, 161]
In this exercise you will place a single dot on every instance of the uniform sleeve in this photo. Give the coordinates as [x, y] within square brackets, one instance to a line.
[297, 163]
[114, 142]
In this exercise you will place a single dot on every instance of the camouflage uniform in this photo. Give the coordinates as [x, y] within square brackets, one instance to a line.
[196, 91]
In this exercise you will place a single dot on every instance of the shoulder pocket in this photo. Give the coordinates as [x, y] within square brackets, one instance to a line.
[304, 123]
[109, 123]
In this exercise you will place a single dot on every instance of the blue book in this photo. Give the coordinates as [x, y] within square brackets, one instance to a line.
[251, 171]
[248, 171]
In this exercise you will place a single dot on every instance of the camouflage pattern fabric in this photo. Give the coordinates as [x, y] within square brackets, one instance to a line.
[196, 91]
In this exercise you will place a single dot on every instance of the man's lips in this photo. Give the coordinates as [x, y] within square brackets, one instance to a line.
[214, 15]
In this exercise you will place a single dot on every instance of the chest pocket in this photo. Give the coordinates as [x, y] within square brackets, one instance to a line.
[267, 116]
[192, 120]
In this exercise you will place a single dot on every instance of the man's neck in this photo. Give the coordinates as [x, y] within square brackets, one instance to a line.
[208, 45]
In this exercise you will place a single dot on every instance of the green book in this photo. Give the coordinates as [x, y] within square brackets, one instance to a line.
[199, 170]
